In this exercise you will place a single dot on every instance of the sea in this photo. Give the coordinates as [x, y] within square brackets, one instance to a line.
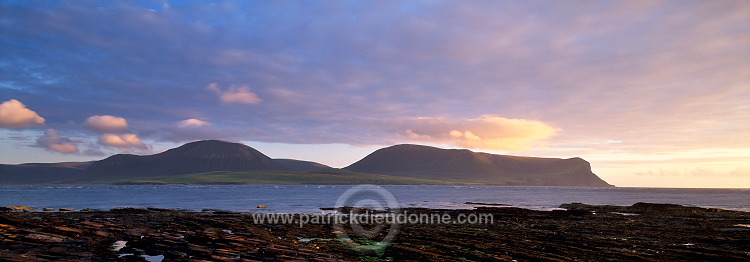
[314, 198]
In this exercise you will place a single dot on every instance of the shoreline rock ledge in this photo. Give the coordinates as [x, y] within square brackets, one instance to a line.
[659, 232]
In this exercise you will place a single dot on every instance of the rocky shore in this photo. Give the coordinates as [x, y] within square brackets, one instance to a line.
[641, 232]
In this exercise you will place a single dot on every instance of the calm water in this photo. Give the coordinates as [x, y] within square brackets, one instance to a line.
[306, 198]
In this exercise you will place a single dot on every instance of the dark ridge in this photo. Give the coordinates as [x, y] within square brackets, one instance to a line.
[410, 161]
[462, 164]
[195, 157]
[39, 173]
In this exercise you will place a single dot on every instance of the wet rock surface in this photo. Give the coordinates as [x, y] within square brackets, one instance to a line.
[642, 232]
[171, 235]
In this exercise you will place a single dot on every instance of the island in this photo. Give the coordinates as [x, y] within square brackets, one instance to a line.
[222, 162]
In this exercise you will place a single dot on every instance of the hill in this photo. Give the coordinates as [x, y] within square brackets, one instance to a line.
[190, 158]
[330, 176]
[434, 163]
[302, 166]
[220, 162]
[36, 173]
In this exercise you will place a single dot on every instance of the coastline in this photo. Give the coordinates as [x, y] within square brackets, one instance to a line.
[647, 232]
[286, 198]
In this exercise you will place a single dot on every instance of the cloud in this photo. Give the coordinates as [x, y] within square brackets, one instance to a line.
[93, 149]
[190, 130]
[15, 115]
[235, 94]
[486, 132]
[125, 142]
[195, 129]
[113, 132]
[192, 122]
[52, 140]
[106, 124]
[662, 76]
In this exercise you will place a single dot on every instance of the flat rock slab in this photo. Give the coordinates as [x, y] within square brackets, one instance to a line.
[588, 233]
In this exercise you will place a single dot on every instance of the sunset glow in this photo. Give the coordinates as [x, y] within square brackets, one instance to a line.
[651, 93]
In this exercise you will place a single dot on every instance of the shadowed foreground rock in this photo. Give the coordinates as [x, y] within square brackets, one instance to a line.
[642, 232]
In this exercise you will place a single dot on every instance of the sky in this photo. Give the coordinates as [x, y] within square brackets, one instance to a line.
[651, 93]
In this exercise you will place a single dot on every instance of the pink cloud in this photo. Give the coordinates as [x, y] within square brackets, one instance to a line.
[235, 94]
[106, 124]
[195, 129]
[192, 122]
[113, 132]
[126, 142]
[15, 115]
[51, 140]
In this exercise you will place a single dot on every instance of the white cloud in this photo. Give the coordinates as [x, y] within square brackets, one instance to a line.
[15, 115]
[235, 94]
[106, 124]
[51, 140]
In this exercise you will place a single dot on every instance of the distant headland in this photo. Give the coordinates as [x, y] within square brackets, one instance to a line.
[221, 162]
